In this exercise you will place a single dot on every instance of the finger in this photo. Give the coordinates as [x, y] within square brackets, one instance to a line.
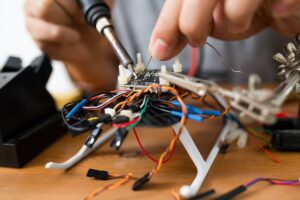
[49, 10]
[45, 31]
[285, 8]
[182, 42]
[70, 7]
[73, 9]
[196, 20]
[239, 14]
[165, 35]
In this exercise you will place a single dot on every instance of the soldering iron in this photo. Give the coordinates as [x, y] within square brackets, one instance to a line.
[97, 14]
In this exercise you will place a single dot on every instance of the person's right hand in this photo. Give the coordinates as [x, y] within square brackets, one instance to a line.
[59, 29]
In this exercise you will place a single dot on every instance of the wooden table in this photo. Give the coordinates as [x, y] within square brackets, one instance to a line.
[229, 170]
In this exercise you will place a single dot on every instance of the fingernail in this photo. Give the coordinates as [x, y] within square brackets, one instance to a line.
[280, 10]
[160, 49]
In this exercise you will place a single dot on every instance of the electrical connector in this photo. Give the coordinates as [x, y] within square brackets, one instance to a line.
[105, 118]
[121, 119]
[140, 66]
[94, 134]
[177, 66]
[280, 58]
[124, 75]
[291, 47]
[161, 80]
[98, 174]
[119, 138]
[233, 135]
[242, 140]
[142, 181]
[127, 113]
[110, 111]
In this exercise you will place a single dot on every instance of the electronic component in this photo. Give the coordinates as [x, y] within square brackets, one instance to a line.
[146, 76]
[119, 138]
[97, 174]
[94, 134]
[177, 66]
[149, 77]
[156, 100]
[140, 182]
[140, 66]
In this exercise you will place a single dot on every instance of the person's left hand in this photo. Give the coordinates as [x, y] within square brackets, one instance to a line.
[184, 22]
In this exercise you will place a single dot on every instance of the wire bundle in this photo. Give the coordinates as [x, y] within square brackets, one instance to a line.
[127, 109]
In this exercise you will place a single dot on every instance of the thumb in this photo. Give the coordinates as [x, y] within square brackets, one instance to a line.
[166, 39]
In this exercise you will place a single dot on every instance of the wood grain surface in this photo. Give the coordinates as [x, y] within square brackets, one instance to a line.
[229, 170]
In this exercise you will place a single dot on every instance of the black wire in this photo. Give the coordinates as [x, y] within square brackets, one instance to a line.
[77, 129]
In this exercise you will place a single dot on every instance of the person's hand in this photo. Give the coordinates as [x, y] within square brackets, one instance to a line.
[59, 29]
[184, 22]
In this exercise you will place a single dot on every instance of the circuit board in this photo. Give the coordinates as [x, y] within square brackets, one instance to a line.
[145, 79]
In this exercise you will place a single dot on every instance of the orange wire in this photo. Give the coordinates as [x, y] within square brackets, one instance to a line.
[175, 195]
[175, 138]
[117, 184]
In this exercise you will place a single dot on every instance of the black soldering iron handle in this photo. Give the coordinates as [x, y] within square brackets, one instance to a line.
[97, 14]
[93, 10]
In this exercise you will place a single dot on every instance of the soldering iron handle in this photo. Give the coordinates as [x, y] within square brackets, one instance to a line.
[93, 10]
[97, 14]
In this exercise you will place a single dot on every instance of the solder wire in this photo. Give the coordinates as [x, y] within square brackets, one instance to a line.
[222, 59]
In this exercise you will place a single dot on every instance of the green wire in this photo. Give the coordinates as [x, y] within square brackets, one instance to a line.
[141, 115]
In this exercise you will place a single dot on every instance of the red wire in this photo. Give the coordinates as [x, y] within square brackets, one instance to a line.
[125, 124]
[257, 143]
[281, 115]
[194, 62]
[148, 154]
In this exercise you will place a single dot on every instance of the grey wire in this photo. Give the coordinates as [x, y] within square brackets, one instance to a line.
[222, 59]
[104, 103]
[149, 60]
[144, 101]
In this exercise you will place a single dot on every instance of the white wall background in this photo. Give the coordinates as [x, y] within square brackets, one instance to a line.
[16, 41]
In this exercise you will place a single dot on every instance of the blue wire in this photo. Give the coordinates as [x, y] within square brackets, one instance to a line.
[194, 110]
[76, 108]
[179, 114]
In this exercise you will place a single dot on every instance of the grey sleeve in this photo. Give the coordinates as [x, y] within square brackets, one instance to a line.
[134, 21]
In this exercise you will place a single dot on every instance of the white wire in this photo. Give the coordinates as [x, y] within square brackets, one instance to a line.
[142, 105]
[104, 103]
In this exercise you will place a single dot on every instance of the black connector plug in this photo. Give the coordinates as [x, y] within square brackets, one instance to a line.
[203, 195]
[232, 193]
[119, 138]
[98, 174]
[105, 118]
[94, 134]
[121, 119]
[142, 181]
